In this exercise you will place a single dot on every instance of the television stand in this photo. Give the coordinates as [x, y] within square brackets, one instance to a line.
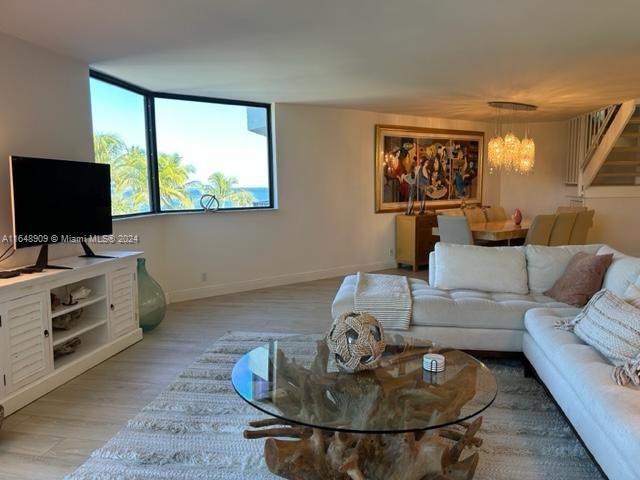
[88, 253]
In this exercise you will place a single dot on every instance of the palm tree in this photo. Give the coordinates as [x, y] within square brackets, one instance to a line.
[224, 189]
[108, 147]
[174, 180]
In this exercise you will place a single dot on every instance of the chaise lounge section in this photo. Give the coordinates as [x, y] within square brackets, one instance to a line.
[605, 415]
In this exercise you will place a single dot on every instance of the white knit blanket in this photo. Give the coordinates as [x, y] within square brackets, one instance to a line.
[386, 297]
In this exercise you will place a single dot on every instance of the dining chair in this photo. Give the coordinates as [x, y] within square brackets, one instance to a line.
[475, 215]
[571, 209]
[540, 230]
[584, 221]
[495, 214]
[454, 229]
[562, 227]
[450, 212]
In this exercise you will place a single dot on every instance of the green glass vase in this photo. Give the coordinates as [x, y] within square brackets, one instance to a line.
[152, 304]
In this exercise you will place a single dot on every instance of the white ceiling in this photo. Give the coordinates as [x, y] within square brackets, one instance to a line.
[443, 58]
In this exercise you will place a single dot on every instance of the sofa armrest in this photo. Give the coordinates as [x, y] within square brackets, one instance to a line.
[432, 268]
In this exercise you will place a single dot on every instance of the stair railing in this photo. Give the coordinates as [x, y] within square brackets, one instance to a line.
[597, 124]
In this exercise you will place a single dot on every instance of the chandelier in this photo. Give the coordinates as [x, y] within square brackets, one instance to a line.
[509, 153]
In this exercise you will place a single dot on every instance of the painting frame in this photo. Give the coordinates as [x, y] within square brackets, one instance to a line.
[471, 146]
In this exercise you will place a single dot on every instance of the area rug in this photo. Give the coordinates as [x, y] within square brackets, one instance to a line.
[193, 430]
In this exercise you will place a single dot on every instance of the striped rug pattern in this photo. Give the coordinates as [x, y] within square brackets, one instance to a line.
[193, 430]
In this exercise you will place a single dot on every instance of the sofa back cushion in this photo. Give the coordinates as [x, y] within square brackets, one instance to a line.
[545, 265]
[490, 269]
[624, 271]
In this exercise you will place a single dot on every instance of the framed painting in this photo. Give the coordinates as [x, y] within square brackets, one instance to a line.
[430, 167]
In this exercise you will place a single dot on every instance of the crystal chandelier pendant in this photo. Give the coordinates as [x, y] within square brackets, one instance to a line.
[527, 155]
[510, 154]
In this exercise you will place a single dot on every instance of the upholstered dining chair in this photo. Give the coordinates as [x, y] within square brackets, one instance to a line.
[562, 227]
[475, 215]
[454, 229]
[450, 212]
[540, 230]
[584, 221]
[495, 214]
[571, 209]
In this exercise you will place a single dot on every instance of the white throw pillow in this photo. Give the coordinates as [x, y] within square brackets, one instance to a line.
[611, 326]
[632, 295]
[489, 269]
[545, 265]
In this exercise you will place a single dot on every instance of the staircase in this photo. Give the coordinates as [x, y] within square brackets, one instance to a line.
[622, 165]
[604, 148]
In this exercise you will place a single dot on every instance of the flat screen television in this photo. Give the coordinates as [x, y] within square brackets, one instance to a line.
[58, 201]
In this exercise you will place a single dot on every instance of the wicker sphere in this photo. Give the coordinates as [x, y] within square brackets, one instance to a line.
[357, 341]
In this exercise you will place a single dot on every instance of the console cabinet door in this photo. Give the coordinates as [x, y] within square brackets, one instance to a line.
[122, 298]
[26, 341]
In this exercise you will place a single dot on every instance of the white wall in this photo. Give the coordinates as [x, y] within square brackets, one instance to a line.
[325, 224]
[44, 111]
[617, 217]
[544, 190]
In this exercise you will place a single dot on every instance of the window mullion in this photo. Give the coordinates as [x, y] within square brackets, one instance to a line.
[152, 156]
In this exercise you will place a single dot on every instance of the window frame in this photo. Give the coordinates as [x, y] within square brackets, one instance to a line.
[151, 136]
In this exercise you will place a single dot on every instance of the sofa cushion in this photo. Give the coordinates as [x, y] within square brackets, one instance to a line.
[615, 409]
[581, 280]
[624, 270]
[490, 269]
[545, 265]
[474, 309]
[457, 308]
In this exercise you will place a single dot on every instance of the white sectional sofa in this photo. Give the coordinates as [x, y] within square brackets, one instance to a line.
[605, 415]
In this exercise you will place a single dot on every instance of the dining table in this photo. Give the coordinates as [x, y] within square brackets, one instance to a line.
[496, 231]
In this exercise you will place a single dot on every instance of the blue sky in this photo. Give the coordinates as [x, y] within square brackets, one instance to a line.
[211, 137]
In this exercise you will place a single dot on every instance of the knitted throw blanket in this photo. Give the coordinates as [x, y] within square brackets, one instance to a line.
[386, 297]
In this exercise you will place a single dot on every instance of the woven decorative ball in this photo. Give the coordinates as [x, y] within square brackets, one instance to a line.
[357, 341]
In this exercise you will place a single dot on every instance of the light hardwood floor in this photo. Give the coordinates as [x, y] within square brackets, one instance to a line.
[52, 436]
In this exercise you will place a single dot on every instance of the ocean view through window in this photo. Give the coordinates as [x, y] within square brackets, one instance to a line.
[166, 151]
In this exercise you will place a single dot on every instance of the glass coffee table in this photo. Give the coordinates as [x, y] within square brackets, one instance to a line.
[396, 422]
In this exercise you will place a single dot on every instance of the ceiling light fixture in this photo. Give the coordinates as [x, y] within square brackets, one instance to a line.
[509, 153]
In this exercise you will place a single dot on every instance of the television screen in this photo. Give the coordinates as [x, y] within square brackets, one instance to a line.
[56, 201]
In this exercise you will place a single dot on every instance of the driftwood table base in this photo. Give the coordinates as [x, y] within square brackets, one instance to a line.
[316, 454]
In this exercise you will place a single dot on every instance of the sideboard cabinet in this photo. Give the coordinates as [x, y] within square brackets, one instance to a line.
[34, 307]
[414, 239]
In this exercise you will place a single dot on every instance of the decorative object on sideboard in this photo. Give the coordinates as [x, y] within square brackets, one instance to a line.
[152, 304]
[67, 348]
[357, 341]
[79, 293]
[439, 167]
[517, 216]
[67, 321]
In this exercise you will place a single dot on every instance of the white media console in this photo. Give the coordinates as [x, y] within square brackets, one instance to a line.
[108, 323]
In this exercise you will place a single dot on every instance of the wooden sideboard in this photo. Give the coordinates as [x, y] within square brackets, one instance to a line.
[415, 239]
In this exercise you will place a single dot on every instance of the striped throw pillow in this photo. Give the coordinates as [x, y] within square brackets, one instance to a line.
[611, 326]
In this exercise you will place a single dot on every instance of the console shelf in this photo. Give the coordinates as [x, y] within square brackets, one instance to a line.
[106, 322]
[61, 336]
[63, 309]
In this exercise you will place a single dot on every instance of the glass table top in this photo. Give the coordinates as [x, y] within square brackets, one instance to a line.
[296, 379]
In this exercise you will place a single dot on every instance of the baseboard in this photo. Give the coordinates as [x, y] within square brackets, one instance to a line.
[275, 281]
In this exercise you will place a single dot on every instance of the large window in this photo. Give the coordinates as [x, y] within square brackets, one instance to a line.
[119, 137]
[167, 151]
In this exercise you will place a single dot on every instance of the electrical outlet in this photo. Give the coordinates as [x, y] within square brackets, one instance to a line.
[391, 252]
[203, 277]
